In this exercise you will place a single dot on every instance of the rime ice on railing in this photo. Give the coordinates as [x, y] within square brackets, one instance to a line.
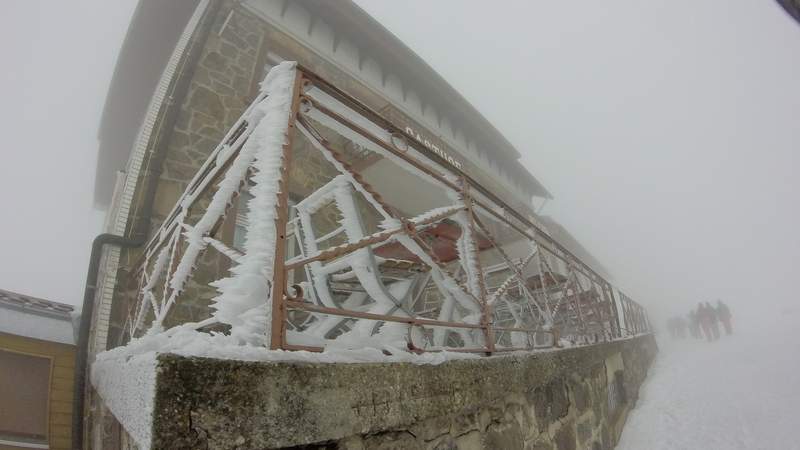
[356, 235]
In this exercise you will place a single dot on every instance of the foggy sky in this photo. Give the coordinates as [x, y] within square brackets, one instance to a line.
[57, 61]
[667, 131]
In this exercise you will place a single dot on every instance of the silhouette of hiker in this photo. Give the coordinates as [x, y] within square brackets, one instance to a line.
[724, 315]
[704, 318]
[714, 320]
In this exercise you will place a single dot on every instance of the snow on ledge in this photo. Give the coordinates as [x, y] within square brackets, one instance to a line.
[125, 377]
[127, 386]
[185, 341]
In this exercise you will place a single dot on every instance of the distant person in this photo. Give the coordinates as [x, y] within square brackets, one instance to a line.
[705, 321]
[724, 315]
[712, 313]
[694, 325]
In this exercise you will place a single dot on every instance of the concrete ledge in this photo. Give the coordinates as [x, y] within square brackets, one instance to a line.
[223, 404]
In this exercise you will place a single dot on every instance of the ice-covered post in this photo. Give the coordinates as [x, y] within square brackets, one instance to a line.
[473, 249]
[278, 326]
[251, 299]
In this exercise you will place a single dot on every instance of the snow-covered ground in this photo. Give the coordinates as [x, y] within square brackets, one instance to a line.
[739, 393]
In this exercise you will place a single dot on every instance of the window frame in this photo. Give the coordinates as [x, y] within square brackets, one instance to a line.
[45, 444]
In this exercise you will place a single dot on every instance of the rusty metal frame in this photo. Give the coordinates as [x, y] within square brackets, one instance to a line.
[355, 104]
[464, 190]
[467, 183]
[278, 326]
[474, 195]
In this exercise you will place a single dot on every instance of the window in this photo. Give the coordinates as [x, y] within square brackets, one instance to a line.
[24, 393]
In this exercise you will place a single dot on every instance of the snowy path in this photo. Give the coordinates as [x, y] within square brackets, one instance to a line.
[741, 392]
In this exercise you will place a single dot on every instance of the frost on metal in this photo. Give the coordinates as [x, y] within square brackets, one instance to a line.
[450, 272]
[244, 301]
[244, 296]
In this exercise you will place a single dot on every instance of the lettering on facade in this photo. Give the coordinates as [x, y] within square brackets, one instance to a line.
[433, 147]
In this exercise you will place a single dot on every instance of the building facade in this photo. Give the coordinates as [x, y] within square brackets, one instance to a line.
[37, 361]
[393, 193]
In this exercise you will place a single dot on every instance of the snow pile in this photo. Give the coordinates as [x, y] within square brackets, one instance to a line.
[244, 301]
[738, 393]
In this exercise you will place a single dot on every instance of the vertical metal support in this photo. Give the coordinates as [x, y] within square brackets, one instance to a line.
[578, 298]
[277, 339]
[541, 266]
[640, 315]
[624, 311]
[626, 308]
[486, 320]
[614, 310]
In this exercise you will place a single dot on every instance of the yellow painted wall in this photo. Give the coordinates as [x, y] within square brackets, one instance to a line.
[61, 383]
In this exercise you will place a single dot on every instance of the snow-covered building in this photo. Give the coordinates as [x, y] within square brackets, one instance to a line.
[37, 357]
[296, 178]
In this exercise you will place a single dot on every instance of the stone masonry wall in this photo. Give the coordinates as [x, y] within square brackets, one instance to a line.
[222, 82]
[563, 400]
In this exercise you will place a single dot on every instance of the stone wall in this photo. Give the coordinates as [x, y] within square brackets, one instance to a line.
[221, 82]
[566, 400]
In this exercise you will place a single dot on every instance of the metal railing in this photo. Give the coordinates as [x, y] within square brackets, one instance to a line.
[350, 261]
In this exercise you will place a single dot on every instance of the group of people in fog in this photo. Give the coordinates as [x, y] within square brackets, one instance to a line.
[702, 322]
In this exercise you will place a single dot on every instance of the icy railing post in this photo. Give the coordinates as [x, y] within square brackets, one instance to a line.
[245, 299]
[256, 145]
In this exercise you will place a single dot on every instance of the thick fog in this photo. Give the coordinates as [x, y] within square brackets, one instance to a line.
[668, 132]
[58, 58]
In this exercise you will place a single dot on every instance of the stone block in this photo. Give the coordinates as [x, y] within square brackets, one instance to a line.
[207, 101]
[445, 443]
[392, 441]
[550, 403]
[583, 396]
[504, 435]
[584, 431]
[565, 437]
[469, 441]
[539, 445]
